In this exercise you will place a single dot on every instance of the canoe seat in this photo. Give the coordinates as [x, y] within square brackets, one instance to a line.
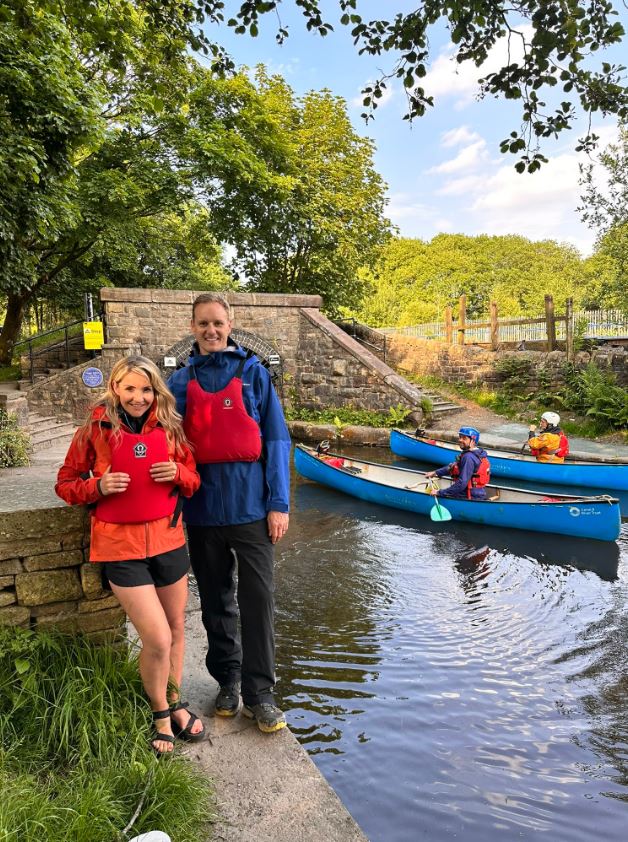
[495, 496]
[351, 469]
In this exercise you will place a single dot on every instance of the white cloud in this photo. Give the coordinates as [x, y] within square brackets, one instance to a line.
[469, 158]
[458, 137]
[447, 78]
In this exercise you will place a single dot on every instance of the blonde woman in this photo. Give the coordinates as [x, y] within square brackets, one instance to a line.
[131, 462]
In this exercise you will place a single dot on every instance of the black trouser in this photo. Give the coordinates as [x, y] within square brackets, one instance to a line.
[228, 660]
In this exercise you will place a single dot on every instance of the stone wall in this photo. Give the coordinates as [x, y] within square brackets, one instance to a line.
[66, 394]
[335, 370]
[322, 366]
[156, 319]
[45, 577]
[474, 365]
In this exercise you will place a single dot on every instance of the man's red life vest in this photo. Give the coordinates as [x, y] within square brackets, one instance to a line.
[144, 499]
[481, 476]
[217, 424]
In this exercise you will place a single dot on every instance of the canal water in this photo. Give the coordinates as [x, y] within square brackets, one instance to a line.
[455, 681]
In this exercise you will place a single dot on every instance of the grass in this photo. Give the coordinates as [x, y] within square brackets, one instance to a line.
[75, 762]
[9, 372]
[343, 416]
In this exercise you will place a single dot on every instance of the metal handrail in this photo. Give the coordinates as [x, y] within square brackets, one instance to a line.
[360, 331]
[65, 341]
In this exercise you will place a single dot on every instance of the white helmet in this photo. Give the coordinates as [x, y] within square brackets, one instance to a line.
[552, 418]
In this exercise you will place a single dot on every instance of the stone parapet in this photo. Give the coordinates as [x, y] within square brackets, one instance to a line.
[46, 580]
[336, 370]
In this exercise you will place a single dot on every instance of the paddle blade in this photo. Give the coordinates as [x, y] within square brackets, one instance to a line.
[439, 512]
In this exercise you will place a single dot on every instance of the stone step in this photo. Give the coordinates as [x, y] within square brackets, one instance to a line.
[52, 439]
[40, 433]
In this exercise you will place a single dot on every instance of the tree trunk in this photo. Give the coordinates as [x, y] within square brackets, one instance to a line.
[16, 305]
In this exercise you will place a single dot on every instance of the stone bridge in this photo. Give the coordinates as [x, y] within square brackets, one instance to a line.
[321, 366]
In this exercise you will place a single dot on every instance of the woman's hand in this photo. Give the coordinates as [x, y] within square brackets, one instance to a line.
[113, 483]
[163, 471]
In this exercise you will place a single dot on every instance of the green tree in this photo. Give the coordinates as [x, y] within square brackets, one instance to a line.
[552, 55]
[605, 210]
[96, 164]
[323, 217]
[414, 281]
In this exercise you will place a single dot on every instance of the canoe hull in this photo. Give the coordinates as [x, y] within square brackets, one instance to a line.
[594, 475]
[584, 519]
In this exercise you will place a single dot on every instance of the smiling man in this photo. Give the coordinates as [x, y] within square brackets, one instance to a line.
[235, 424]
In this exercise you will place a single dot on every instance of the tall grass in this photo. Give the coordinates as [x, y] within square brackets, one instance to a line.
[75, 760]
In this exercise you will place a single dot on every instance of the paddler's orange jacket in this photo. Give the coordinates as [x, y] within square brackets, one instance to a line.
[87, 460]
[544, 447]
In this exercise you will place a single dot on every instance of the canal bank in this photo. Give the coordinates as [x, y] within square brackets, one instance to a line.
[267, 789]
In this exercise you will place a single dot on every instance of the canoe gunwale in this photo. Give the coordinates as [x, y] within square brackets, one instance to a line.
[565, 499]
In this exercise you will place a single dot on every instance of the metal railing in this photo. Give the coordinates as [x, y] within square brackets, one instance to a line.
[590, 323]
[365, 335]
[33, 342]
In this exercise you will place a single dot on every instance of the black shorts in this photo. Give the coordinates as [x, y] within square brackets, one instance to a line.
[158, 570]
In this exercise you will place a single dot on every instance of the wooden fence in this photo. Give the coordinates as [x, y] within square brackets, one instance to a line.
[549, 328]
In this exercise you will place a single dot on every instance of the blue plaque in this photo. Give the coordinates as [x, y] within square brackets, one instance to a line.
[92, 377]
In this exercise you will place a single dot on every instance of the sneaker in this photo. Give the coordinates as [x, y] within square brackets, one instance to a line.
[228, 700]
[268, 716]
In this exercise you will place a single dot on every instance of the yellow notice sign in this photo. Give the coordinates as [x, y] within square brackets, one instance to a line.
[93, 335]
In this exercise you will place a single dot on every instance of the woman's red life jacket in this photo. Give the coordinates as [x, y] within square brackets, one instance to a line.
[217, 424]
[144, 499]
[561, 451]
[563, 447]
[481, 476]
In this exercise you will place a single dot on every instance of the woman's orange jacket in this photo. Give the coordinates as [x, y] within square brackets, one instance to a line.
[87, 460]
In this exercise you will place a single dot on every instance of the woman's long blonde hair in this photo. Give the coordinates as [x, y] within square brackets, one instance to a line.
[165, 405]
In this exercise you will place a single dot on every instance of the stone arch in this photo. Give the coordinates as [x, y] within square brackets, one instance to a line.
[263, 350]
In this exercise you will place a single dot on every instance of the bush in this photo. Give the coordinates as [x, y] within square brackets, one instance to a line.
[595, 393]
[15, 444]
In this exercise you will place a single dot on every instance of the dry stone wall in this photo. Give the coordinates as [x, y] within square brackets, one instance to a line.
[474, 365]
[45, 577]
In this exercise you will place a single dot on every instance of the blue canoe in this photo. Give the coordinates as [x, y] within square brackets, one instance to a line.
[401, 488]
[611, 476]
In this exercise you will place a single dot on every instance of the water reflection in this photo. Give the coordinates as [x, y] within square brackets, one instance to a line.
[455, 681]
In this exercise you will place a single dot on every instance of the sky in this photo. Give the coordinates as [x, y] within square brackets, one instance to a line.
[444, 171]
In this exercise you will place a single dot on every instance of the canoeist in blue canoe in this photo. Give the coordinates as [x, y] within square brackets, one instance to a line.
[549, 444]
[471, 470]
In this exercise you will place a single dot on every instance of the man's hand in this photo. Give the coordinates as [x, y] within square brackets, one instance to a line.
[163, 471]
[430, 474]
[277, 525]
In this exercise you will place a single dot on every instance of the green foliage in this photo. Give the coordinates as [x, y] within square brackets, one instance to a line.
[323, 219]
[341, 417]
[595, 393]
[399, 413]
[515, 371]
[560, 42]
[74, 756]
[414, 281]
[605, 209]
[15, 444]
[10, 372]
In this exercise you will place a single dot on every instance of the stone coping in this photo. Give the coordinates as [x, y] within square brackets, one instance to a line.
[187, 296]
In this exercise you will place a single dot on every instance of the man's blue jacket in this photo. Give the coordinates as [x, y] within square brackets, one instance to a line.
[239, 492]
